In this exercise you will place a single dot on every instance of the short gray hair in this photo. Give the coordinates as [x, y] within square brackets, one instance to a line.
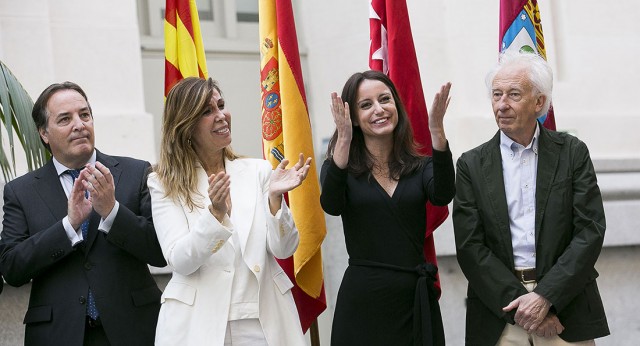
[538, 71]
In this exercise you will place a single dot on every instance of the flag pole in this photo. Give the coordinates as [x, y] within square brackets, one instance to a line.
[314, 333]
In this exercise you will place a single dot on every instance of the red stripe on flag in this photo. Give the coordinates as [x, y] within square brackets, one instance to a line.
[184, 12]
[170, 12]
[171, 76]
[550, 121]
[509, 10]
[309, 308]
[375, 32]
[288, 40]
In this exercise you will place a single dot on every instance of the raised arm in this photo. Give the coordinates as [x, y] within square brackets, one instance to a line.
[436, 117]
[342, 118]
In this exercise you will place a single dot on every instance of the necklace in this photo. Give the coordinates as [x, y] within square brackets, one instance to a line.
[383, 178]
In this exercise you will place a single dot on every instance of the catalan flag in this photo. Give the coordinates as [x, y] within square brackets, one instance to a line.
[521, 29]
[392, 52]
[286, 132]
[183, 48]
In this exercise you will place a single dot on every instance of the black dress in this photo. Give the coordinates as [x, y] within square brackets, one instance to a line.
[375, 305]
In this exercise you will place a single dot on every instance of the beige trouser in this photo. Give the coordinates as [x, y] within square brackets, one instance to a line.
[515, 335]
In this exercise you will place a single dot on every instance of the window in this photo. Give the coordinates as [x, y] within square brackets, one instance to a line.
[247, 11]
[235, 20]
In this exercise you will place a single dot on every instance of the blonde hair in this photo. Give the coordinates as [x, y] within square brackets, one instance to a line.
[177, 167]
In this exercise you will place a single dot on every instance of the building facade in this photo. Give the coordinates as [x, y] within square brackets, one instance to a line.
[115, 51]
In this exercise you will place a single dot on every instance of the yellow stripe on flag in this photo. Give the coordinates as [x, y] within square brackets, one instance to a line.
[184, 50]
[170, 43]
[187, 55]
[197, 39]
[286, 132]
[304, 201]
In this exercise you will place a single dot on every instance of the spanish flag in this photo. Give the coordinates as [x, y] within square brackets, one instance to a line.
[286, 132]
[183, 48]
[521, 29]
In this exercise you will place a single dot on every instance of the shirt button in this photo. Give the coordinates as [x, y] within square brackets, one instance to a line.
[256, 268]
[82, 300]
[88, 265]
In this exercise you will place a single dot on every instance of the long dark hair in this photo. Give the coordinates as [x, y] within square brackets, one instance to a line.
[404, 159]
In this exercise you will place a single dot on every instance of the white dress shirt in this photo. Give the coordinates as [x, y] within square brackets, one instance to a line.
[75, 235]
[244, 291]
[519, 169]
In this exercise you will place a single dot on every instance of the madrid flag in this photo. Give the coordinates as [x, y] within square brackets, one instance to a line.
[521, 29]
[392, 52]
[286, 132]
[183, 48]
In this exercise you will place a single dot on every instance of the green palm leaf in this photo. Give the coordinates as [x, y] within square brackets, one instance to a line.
[15, 114]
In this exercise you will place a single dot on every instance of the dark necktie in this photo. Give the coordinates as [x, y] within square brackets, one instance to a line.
[92, 311]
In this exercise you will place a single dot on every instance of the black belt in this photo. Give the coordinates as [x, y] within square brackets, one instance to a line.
[427, 320]
[526, 276]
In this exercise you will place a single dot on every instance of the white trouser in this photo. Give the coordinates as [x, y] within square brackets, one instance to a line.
[247, 332]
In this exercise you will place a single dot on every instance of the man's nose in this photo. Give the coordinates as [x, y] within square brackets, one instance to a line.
[78, 123]
[503, 103]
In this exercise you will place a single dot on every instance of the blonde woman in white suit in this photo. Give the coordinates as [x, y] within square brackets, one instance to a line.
[220, 220]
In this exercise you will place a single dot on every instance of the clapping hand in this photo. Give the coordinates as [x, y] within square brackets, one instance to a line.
[284, 180]
[219, 192]
[78, 206]
[99, 182]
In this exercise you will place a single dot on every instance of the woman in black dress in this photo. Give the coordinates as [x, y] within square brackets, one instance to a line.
[376, 180]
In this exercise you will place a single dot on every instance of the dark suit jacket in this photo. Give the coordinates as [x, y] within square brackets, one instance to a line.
[569, 226]
[34, 246]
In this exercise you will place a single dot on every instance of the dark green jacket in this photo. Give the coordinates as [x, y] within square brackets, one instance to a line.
[569, 226]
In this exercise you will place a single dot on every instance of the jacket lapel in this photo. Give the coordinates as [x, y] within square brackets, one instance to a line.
[548, 159]
[49, 188]
[494, 182]
[243, 197]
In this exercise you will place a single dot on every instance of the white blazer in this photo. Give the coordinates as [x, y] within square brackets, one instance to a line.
[195, 303]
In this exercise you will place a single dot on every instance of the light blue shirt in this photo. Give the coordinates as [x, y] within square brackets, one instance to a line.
[519, 169]
[75, 235]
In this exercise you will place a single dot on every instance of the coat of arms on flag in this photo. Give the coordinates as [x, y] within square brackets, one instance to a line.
[525, 32]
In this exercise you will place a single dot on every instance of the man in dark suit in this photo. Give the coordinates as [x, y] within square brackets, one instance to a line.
[83, 237]
[529, 222]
